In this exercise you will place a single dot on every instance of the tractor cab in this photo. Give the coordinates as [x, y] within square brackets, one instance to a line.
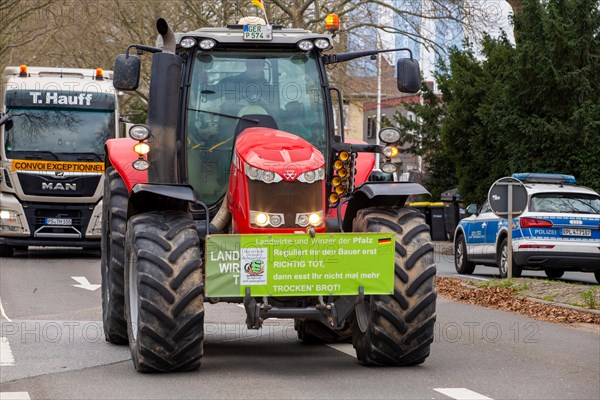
[234, 90]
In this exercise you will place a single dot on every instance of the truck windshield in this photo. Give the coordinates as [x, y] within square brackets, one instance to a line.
[65, 133]
[234, 90]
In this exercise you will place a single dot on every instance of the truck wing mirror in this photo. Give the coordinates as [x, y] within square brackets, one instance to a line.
[126, 75]
[409, 75]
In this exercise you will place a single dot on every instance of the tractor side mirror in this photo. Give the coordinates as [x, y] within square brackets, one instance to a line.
[409, 75]
[126, 72]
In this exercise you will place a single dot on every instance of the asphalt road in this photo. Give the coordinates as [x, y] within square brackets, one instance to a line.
[52, 348]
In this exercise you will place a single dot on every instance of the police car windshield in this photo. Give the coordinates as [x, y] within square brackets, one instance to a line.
[577, 203]
[60, 131]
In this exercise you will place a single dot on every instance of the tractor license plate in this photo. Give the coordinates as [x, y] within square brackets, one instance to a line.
[577, 232]
[258, 32]
[59, 221]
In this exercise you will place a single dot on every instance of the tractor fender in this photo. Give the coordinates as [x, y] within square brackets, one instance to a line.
[147, 197]
[120, 154]
[374, 194]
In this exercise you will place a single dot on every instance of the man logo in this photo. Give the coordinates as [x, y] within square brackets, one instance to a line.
[59, 186]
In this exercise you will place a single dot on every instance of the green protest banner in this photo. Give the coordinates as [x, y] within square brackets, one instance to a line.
[298, 265]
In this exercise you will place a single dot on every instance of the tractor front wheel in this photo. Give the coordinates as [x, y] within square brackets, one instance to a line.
[114, 224]
[398, 329]
[164, 302]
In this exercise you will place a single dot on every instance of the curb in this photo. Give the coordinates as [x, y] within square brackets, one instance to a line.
[562, 305]
[536, 300]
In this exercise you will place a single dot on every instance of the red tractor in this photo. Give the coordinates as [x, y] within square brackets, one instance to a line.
[238, 189]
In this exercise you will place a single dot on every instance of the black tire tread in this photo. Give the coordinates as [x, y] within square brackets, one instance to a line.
[170, 334]
[401, 326]
[114, 224]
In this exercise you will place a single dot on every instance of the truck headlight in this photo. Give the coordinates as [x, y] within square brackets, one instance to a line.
[9, 217]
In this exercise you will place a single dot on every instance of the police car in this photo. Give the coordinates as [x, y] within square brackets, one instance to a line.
[559, 231]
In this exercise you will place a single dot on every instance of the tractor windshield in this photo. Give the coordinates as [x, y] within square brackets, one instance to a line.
[231, 91]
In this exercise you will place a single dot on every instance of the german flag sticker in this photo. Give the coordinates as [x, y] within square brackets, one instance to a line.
[385, 241]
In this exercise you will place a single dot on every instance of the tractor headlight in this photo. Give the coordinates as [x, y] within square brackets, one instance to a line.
[312, 176]
[139, 132]
[187, 43]
[257, 174]
[389, 135]
[305, 45]
[263, 219]
[306, 219]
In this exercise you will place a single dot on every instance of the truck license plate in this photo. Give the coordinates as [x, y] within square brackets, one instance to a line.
[258, 32]
[577, 232]
[59, 221]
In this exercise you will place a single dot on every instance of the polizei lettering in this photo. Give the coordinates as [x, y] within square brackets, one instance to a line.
[59, 186]
[81, 99]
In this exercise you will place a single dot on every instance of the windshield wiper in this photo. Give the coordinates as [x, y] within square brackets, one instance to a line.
[33, 155]
[226, 115]
[88, 156]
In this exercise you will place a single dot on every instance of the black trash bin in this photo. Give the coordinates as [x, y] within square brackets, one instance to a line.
[423, 207]
[452, 211]
[438, 224]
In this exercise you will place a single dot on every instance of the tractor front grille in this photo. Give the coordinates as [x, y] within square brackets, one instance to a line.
[287, 198]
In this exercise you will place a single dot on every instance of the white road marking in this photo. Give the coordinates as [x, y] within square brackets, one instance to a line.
[84, 283]
[3, 313]
[14, 396]
[462, 394]
[6, 355]
[345, 348]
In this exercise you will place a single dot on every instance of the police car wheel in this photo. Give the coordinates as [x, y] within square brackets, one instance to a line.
[503, 262]
[461, 263]
[554, 273]
[597, 275]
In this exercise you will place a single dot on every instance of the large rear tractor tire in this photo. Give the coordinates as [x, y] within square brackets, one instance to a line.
[164, 302]
[316, 332]
[398, 329]
[114, 224]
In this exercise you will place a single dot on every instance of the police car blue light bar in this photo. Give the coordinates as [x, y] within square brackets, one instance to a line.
[537, 177]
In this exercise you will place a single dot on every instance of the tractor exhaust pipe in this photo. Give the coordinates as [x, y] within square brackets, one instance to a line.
[168, 37]
[163, 110]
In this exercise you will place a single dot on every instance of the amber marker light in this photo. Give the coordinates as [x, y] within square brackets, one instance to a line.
[141, 148]
[332, 22]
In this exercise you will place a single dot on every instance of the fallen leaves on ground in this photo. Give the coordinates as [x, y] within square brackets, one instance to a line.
[504, 298]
